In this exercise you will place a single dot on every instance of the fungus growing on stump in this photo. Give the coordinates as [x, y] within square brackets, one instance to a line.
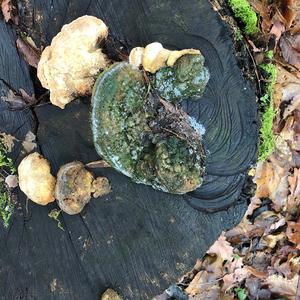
[75, 186]
[35, 179]
[69, 66]
[139, 133]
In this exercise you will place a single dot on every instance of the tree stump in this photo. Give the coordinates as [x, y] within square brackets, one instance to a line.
[135, 240]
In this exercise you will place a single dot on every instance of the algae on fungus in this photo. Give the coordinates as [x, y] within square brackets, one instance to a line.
[186, 79]
[144, 136]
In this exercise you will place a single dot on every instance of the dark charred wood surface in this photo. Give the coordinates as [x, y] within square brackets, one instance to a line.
[135, 240]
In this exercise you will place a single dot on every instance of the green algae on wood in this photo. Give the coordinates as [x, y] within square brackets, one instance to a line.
[187, 79]
[142, 136]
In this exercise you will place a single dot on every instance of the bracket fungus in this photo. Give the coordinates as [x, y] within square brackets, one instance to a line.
[69, 66]
[142, 135]
[75, 185]
[176, 75]
[35, 179]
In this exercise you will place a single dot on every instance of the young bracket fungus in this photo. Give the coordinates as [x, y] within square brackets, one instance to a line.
[75, 186]
[177, 75]
[69, 66]
[35, 179]
[142, 135]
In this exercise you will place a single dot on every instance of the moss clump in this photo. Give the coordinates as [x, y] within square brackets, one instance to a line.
[5, 161]
[271, 74]
[238, 34]
[6, 203]
[6, 206]
[267, 138]
[270, 54]
[54, 214]
[244, 13]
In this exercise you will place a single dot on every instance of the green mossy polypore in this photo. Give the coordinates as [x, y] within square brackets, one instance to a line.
[128, 134]
[186, 79]
[121, 100]
[244, 13]
[170, 153]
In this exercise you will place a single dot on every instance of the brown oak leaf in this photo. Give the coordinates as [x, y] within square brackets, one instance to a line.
[9, 11]
[293, 233]
[271, 180]
[282, 286]
[290, 48]
[31, 55]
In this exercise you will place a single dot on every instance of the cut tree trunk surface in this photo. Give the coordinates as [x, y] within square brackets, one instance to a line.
[136, 240]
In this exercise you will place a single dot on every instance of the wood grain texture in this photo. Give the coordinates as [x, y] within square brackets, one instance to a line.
[227, 109]
[135, 240]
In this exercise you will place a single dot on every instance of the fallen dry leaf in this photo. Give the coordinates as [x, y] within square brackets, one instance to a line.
[288, 266]
[15, 101]
[290, 48]
[293, 233]
[271, 180]
[264, 10]
[253, 285]
[283, 79]
[291, 133]
[255, 203]
[293, 201]
[272, 239]
[97, 164]
[31, 55]
[282, 286]
[221, 248]
[19, 100]
[7, 141]
[234, 279]
[259, 260]
[205, 285]
[9, 11]
[277, 29]
[292, 94]
[29, 143]
[28, 99]
[289, 12]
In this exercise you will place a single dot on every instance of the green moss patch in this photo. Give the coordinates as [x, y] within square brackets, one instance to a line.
[6, 168]
[267, 138]
[245, 14]
[6, 206]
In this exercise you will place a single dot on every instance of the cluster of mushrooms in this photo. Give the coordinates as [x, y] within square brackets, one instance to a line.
[137, 125]
[73, 187]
